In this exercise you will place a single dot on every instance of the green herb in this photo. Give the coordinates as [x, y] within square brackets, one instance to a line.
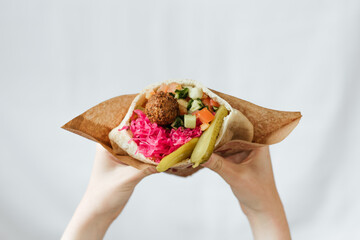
[172, 94]
[177, 123]
[183, 93]
[189, 104]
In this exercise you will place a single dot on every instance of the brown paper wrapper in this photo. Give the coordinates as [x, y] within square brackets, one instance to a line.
[270, 127]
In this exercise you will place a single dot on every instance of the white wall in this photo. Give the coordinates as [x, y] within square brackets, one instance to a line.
[59, 58]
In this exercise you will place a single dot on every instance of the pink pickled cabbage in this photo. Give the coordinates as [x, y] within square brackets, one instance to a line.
[154, 141]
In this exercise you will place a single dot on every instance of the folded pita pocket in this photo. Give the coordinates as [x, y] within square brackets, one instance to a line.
[235, 125]
[269, 127]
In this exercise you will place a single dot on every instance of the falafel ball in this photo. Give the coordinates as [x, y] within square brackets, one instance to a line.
[162, 108]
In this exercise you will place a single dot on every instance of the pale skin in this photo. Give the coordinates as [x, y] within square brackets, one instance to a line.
[251, 179]
[249, 175]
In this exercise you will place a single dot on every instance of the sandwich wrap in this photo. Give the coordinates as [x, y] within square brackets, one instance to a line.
[270, 127]
[235, 124]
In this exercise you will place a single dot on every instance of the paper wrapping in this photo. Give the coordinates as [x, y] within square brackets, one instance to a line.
[270, 127]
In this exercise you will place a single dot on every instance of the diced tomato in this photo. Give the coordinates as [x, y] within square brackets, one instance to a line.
[198, 122]
[214, 103]
[173, 86]
[210, 103]
[204, 96]
[163, 88]
[206, 101]
[205, 115]
[204, 126]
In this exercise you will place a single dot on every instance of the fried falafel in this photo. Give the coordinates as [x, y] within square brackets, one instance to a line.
[162, 108]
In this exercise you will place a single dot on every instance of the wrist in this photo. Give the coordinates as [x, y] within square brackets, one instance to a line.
[93, 207]
[269, 223]
[87, 224]
[267, 205]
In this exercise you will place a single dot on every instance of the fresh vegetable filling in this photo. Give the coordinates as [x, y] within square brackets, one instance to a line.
[172, 115]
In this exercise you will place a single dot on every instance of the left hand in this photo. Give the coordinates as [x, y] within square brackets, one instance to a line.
[110, 187]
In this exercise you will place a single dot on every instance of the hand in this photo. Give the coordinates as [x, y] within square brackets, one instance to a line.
[251, 179]
[110, 187]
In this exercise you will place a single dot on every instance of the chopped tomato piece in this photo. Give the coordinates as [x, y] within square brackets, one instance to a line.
[198, 122]
[214, 103]
[204, 96]
[173, 86]
[206, 101]
[163, 88]
[205, 115]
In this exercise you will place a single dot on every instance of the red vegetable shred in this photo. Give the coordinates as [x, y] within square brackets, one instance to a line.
[154, 141]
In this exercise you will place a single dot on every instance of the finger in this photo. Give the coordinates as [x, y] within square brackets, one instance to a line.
[101, 151]
[104, 161]
[138, 175]
[148, 171]
[215, 163]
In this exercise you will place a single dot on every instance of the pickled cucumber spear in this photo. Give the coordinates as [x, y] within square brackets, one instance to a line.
[177, 156]
[206, 144]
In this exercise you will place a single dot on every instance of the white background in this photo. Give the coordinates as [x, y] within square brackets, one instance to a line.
[59, 58]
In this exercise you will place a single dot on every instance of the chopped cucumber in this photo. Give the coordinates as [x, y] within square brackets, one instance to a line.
[196, 105]
[189, 121]
[195, 93]
[183, 93]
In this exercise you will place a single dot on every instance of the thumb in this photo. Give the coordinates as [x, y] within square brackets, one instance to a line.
[137, 175]
[215, 163]
[148, 171]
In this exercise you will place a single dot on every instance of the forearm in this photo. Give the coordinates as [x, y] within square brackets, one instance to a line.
[110, 187]
[270, 224]
[86, 228]
[89, 223]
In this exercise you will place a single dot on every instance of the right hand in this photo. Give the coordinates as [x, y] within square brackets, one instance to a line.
[251, 178]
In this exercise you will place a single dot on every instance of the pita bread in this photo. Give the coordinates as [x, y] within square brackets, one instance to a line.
[235, 125]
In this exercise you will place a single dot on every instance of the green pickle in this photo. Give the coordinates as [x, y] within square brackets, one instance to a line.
[177, 156]
[206, 144]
